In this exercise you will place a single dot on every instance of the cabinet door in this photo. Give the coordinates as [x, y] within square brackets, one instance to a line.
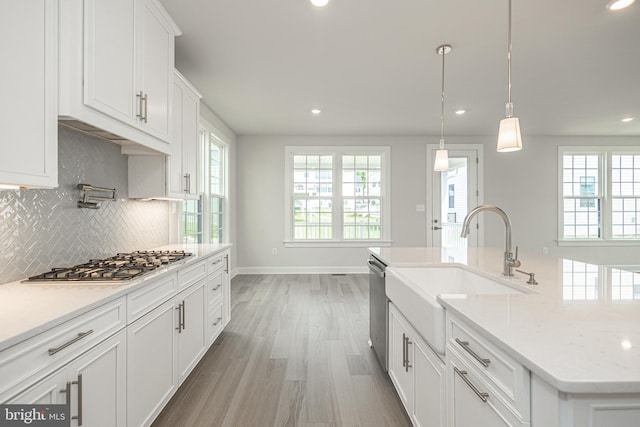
[190, 140]
[156, 41]
[109, 55]
[429, 387]
[177, 183]
[28, 88]
[151, 361]
[98, 396]
[399, 354]
[192, 334]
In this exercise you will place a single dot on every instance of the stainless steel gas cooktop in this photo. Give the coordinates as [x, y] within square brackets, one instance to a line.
[123, 266]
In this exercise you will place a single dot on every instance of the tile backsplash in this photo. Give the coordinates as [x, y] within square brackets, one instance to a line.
[41, 229]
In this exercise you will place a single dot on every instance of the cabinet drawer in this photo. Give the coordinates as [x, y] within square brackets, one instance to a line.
[150, 296]
[216, 263]
[510, 379]
[473, 401]
[52, 348]
[215, 323]
[189, 275]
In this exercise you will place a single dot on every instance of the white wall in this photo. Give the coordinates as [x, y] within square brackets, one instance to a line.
[523, 183]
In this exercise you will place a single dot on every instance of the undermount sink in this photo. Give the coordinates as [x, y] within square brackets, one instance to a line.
[414, 290]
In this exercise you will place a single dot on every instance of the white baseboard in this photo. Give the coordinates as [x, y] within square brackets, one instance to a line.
[303, 270]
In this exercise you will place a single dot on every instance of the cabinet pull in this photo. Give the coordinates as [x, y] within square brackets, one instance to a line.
[179, 328]
[408, 365]
[184, 310]
[79, 416]
[404, 350]
[217, 287]
[463, 374]
[465, 346]
[226, 257]
[145, 99]
[217, 321]
[139, 95]
[81, 335]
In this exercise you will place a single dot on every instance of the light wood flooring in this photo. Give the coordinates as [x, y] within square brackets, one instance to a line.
[294, 354]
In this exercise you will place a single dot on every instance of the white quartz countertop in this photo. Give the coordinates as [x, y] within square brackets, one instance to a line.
[580, 332]
[27, 309]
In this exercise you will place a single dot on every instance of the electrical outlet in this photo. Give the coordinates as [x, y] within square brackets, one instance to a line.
[274, 251]
[545, 251]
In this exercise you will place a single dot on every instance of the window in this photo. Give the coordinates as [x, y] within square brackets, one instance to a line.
[203, 220]
[600, 194]
[336, 195]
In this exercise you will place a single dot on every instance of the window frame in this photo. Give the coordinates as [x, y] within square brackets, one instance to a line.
[605, 189]
[337, 199]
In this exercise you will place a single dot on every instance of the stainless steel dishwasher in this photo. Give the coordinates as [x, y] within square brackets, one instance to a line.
[378, 310]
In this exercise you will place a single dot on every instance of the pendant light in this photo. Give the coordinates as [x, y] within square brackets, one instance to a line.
[509, 135]
[441, 163]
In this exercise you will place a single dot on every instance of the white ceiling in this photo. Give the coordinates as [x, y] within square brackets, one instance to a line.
[372, 66]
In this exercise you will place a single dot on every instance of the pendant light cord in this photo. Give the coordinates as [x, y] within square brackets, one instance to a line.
[509, 104]
[444, 52]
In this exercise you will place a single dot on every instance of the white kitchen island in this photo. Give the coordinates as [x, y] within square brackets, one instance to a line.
[577, 336]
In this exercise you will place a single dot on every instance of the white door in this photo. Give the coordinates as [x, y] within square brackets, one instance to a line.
[451, 194]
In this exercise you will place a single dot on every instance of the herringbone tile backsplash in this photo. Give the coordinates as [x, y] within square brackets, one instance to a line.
[41, 229]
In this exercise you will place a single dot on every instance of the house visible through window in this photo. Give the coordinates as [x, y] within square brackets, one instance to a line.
[336, 194]
[600, 194]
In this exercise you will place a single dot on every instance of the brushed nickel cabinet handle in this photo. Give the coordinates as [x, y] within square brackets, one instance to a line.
[404, 350]
[79, 416]
[179, 328]
[408, 365]
[140, 108]
[186, 183]
[217, 287]
[463, 374]
[226, 269]
[465, 346]
[146, 106]
[184, 310]
[81, 335]
[217, 321]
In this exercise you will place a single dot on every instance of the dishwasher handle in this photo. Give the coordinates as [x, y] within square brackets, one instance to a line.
[376, 268]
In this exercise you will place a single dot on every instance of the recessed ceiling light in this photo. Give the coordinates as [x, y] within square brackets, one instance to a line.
[619, 4]
[626, 344]
[460, 112]
[316, 111]
[626, 119]
[319, 3]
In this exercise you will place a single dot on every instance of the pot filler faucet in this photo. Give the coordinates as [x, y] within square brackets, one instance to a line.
[510, 261]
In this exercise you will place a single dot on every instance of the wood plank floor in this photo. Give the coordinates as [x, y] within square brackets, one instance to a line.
[294, 354]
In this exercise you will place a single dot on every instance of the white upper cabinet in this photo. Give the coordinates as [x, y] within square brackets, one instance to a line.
[28, 88]
[183, 163]
[116, 71]
[175, 176]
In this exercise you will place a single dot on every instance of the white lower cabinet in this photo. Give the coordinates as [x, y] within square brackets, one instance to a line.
[93, 385]
[417, 372]
[151, 364]
[191, 340]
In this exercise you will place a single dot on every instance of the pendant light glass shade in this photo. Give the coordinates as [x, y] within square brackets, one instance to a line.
[509, 134]
[441, 163]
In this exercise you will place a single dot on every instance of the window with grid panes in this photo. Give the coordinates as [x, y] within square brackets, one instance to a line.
[216, 190]
[336, 194]
[600, 194]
